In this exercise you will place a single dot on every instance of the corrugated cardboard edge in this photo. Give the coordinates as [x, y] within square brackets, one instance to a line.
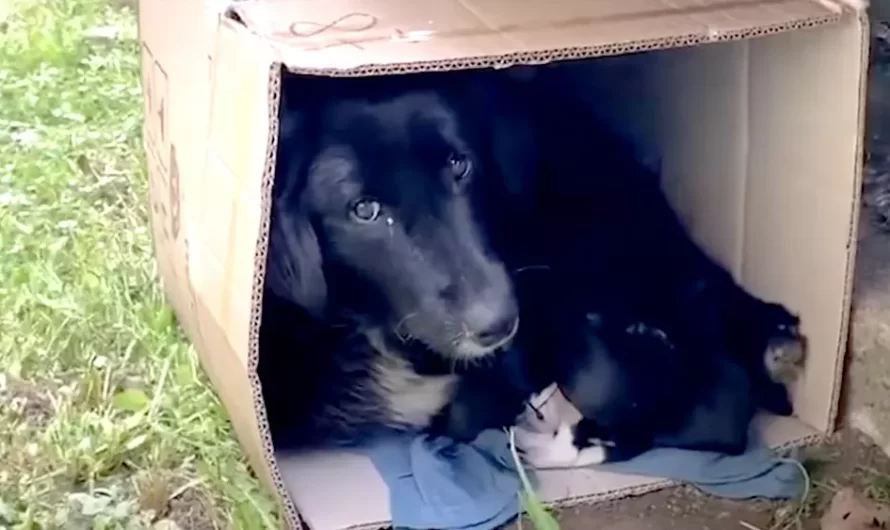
[559, 54]
[853, 237]
[273, 475]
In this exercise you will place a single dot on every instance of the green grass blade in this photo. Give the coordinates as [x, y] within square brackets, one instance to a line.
[540, 516]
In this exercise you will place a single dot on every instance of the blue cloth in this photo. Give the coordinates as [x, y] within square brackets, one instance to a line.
[436, 483]
[757, 472]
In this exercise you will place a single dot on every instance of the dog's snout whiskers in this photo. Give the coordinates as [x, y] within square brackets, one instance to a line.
[405, 336]
[532, 268]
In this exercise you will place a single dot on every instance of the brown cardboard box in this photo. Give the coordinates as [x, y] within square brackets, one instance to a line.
[757, 110]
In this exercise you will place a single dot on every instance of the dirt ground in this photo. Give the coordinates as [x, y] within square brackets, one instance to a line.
[850, 459]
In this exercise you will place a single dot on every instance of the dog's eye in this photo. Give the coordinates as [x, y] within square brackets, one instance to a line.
[365, 210]
[460, 166]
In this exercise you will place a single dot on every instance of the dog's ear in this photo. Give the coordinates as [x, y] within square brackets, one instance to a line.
[294, 267]
[294, 271]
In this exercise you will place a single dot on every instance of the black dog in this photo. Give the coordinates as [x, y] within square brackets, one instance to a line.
[378, 242]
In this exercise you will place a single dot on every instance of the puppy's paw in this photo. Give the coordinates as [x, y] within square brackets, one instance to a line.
[784, 358]
[785, 348]
[556, 449]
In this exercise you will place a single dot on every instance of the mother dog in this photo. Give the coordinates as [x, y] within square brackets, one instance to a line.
[380, 277]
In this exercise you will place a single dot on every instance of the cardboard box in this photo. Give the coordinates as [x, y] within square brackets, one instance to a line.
[756, 107]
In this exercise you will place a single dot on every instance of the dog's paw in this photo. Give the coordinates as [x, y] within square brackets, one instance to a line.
[556, 449]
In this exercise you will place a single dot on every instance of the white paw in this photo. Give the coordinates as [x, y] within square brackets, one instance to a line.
[554, 450]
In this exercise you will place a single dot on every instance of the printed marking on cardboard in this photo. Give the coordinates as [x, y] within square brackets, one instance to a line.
[157, 92]
[175, 197]
[162, 193]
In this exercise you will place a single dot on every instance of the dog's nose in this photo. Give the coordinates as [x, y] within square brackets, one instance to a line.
[492, 317]
[499, 331]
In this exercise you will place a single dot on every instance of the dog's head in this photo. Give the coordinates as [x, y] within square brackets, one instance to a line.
[380, 213]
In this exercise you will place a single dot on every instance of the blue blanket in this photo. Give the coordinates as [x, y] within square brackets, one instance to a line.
[436, 483]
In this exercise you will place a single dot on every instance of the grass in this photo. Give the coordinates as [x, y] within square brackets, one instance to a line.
[530, 504]
[106, 420]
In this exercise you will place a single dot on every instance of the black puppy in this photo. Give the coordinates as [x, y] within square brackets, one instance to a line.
[636, 391]
[378, 241]
[634, 388]
[622, 383]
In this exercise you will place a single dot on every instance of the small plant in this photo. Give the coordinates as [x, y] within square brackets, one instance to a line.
[100, 510]
[540, 516]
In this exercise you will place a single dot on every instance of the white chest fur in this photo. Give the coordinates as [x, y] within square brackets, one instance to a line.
[410, 398]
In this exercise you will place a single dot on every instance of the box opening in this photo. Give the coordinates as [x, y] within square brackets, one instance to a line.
[760, 171]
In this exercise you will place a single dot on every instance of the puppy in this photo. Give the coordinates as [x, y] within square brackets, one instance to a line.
[380, 278]
[621, 386]
[633, 389]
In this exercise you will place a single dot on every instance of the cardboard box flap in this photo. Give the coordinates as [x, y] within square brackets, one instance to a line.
[371, 37]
